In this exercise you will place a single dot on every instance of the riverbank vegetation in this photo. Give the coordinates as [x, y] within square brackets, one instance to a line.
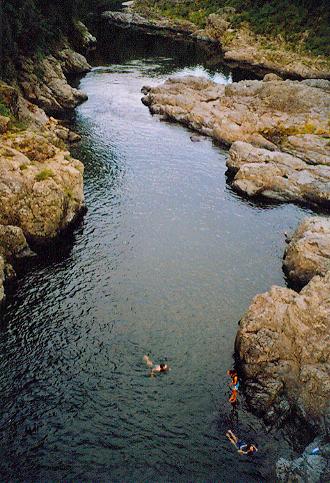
[34, 27]
[301, 23]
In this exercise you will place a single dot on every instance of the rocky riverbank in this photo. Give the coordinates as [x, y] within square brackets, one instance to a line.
[279, 136]
[278, 130]
[240, 47]
[41, 185]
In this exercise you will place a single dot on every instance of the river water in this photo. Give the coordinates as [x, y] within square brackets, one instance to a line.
[165, 262]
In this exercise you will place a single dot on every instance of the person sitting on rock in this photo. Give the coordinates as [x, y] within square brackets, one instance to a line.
[241, 446]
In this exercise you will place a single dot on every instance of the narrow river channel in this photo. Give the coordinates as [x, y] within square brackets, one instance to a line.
[165, 262]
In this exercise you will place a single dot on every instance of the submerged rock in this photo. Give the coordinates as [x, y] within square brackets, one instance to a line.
[283, 345]
[308, 252]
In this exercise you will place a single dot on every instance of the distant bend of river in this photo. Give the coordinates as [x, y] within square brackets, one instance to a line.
[165, 262]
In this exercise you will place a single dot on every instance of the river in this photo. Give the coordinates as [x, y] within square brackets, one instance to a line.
[165, 262]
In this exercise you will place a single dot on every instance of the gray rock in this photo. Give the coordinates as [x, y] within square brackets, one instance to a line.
[308, 252]
[308, 468]
[13, 243]
[277, 175]
[283, 344]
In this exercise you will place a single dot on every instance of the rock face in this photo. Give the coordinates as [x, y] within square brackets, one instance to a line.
[83, 40]
[277, 175]
[41, 186]
[2, 278]
[283, 344]
[43, 82]
[288, 120]
[309, 467]
[308, 252]
[13, 243]
[160, 26]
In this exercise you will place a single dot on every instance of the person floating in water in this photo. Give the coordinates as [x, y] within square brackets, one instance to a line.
[234, 384]
[241, 446]
[155, 369]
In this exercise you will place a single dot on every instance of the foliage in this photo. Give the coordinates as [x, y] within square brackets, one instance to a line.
[31, 27]
[297, 21]
[4, 111]
[44, 174]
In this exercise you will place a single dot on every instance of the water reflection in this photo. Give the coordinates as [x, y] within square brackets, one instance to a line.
[164, 262]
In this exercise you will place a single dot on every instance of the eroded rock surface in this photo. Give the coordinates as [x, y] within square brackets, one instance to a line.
[41, 186]
[43, 83]
[277, 175]
[2, 278]
[309, 467]
[308, 252]
[288, 120]
[283, 344]
[13, 243]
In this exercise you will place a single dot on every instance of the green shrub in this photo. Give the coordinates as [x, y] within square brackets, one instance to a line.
[44, 174]
[4, 111]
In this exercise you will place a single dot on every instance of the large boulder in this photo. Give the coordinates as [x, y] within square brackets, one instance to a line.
[73, 62]
[278, 175]
[13, 243]
[41, 186]
[283, 345]
[44, 83]
[308, 252]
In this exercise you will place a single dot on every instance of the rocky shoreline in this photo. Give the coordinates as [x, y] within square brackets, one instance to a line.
[278, 131]
[41, 185]
[280, 149]
[239, 47]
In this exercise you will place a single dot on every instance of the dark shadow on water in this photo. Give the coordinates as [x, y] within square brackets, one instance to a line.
[118, 46]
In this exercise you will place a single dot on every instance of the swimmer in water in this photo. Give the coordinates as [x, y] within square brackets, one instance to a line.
[155, 369]
[241, 446]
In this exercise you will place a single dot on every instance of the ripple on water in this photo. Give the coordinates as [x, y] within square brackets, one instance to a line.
[165, 262]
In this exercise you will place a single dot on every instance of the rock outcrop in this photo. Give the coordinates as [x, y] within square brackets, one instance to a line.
[310, 467]
[286, 120]
[308, 252]
[43, 82]
[160, 26]
[13, 243]
[283, 344]
[41, 186]
[277, 175]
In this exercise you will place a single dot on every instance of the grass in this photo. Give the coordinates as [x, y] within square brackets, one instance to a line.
[44, 174]
[4, 111]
